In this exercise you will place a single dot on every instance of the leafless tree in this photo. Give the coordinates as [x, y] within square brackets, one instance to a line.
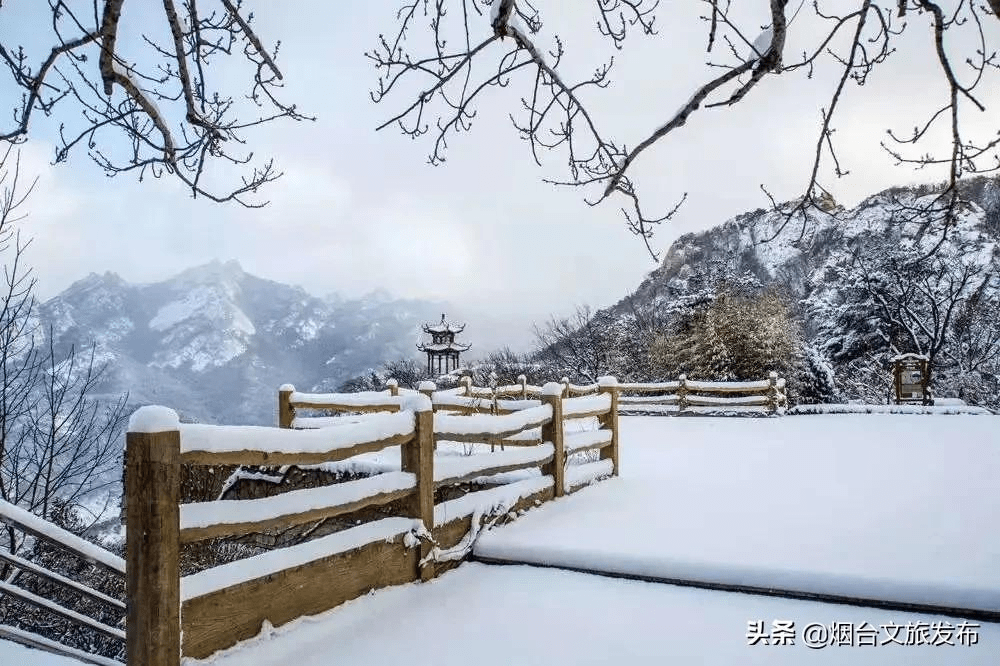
[19, 360]
[507, 365]
[580, 345]
[975, 345]
[973, 356]
[444, 57]
[75, 446]
[914, 300]
[57, 442]
[150, 104]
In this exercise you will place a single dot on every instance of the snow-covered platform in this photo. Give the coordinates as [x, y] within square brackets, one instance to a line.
[497, 616]
[13, 654]
[887, 507]
[897, 508]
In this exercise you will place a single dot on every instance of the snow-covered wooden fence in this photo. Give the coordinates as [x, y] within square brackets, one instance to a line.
[680, 396]
[18, 519]
[693, 396]
[215, 608]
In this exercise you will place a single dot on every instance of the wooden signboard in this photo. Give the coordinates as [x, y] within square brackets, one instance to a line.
[911, 379]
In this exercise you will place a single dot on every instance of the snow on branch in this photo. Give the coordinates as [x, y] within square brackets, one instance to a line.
[455, 54]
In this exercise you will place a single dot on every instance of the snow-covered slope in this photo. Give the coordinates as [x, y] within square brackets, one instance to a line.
[215, 342]
[865, 283]
[795, 254]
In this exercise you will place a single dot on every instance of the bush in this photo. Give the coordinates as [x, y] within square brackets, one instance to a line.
[814, 382]
[735, 338]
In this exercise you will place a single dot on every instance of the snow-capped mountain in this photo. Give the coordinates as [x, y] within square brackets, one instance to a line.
[215, 342]
[865, 283]
[797, 256]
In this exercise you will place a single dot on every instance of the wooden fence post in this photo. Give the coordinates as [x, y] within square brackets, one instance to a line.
[428, 388]
[286, 413]
[772, 392]
[418, 459]
[493, 440]
[523, 381]
[553, 432]
[682, 392]
[393, 387]
[609, 421]
[152, 519]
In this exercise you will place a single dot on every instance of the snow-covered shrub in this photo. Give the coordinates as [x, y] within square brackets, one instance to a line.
[508, 365]
[735, 338]
[407, 372]
[814, 382]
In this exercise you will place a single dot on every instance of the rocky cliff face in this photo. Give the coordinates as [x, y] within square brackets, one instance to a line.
[831, 266]
[797, 255]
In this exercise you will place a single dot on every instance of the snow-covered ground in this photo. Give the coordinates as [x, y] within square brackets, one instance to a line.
[894, 507]
[12, 654]
[899, 507]
[499, 615]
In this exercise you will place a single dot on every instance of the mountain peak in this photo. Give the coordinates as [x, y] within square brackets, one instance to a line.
[213, 271]
[107, 280]
[214, 341]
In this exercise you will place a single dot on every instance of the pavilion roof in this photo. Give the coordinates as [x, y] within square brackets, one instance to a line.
[444, 326]
[449, 346]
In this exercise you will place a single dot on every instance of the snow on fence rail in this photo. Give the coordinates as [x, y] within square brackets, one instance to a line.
[24, 521]
[683, 395]
[524, 390]
[201, 613]
[694, 396]
[465, 400]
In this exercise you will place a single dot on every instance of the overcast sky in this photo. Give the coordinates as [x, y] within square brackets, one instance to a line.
[359, 210]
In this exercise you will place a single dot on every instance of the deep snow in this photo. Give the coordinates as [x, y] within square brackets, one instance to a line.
[890, 506]
[895, 507]
[503, 615]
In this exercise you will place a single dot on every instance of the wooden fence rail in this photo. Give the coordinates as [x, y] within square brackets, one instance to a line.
[28, 523]
[680, 396]
[216, 608]
[686, 395]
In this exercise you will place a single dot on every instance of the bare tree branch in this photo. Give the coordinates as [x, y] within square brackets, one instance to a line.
[503, 47]
[168, 118]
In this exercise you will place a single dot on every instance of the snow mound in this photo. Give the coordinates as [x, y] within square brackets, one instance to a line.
[153, 418]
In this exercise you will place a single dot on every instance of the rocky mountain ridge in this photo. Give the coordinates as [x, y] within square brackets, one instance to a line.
[215, 342]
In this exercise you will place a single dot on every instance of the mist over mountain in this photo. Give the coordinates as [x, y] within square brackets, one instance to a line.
[215, 342]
